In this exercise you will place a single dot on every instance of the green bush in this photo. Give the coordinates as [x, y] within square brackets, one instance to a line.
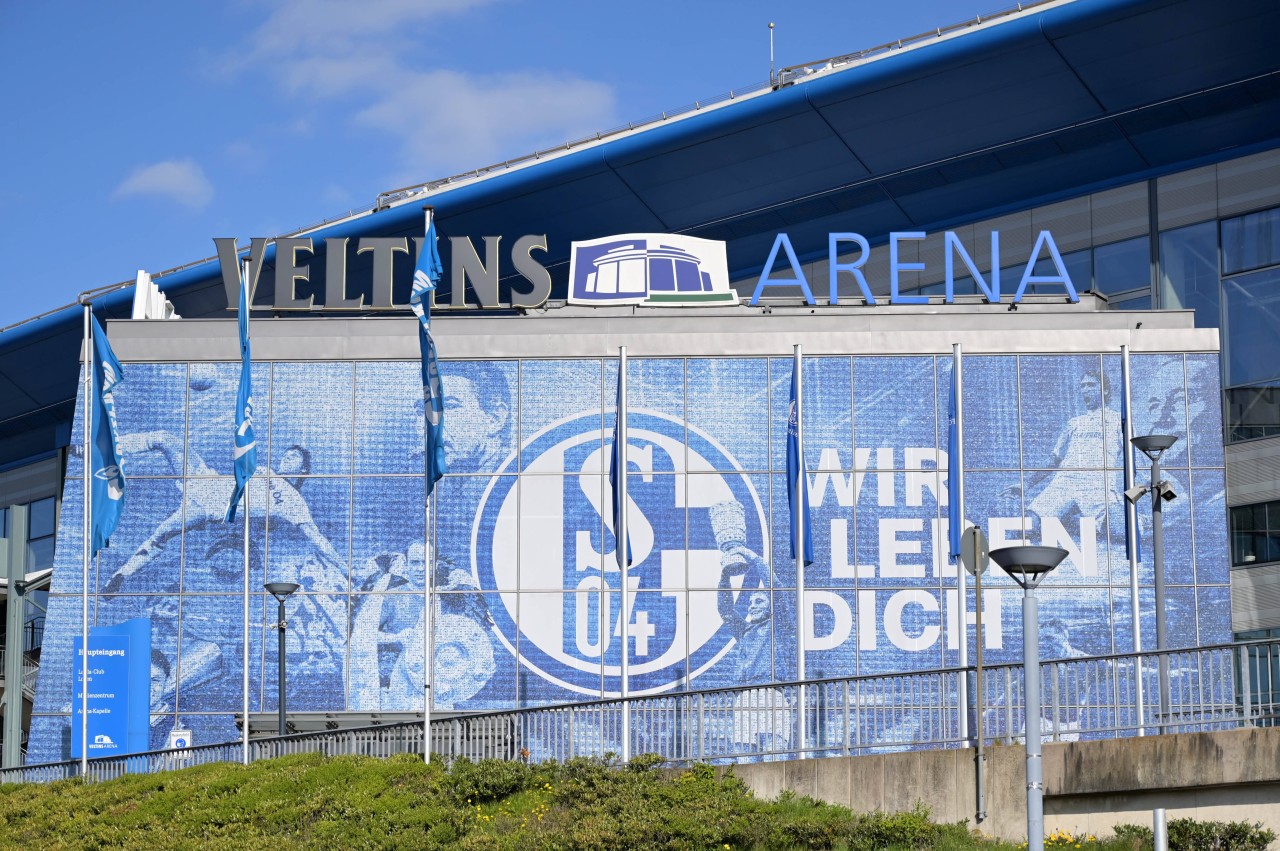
[1191, 835]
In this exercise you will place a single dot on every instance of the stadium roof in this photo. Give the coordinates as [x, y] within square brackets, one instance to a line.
[1057, 101]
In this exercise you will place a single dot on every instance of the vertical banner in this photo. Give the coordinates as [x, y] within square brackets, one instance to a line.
[622, 541]
[107, 501]
[797, 478]
[425, 280]
[245, 451]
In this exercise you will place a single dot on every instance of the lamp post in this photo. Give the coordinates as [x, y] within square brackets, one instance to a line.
[1028, 566]
[1153, 446]
[280, 590]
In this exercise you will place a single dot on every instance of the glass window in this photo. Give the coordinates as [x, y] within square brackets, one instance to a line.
[41, 533]
[1252, 412]
[1189, 272]
[1251, 338]
[1251, 242]
[1122, 266]
[1077, 264]
[1141, 302]
[1255, 533]
[41, 520]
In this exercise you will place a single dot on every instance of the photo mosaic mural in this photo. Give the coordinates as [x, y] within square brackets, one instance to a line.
[518, 549]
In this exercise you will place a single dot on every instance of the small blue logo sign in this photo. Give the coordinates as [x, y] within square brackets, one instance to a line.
[650, 268]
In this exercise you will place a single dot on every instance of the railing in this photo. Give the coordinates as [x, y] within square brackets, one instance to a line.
[1208, 688]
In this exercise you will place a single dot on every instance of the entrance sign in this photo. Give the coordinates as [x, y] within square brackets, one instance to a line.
[119, 690]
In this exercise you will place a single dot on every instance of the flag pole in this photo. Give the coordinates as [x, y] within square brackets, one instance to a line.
[244, 282]
[956, 468]
[88, 537]
[798, 493]
[623, 547]
[428, 555]
[1131, 533]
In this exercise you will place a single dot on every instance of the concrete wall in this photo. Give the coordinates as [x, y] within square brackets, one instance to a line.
[1231, 775]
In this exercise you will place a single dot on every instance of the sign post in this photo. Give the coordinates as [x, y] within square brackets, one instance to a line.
[975, 554]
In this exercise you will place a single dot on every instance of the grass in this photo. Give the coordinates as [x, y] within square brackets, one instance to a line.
[310, 801]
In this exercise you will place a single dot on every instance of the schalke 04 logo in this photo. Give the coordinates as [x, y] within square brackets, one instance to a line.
[548, 534]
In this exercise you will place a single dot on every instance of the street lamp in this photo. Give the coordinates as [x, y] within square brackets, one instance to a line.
[280, 590]
[1153, 446]
[1028, 566]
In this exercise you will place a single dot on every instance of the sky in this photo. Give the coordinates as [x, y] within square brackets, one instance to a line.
[138, 131]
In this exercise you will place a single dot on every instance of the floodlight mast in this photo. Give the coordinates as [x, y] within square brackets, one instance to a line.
[1028, 566]
[281, 591]
[1153, 446]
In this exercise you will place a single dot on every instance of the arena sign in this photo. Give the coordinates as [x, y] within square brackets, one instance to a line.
[642, 269]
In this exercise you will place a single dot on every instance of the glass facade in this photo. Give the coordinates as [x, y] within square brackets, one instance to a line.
[526, 594]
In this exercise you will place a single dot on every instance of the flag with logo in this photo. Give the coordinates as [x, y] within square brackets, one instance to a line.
[425, 279]
[107, 488]
[617, 460]
[245, 451]
[797, 476]
[954, 461]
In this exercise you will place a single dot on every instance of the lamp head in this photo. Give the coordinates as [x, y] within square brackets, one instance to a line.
[281, 590]
[1154, 445]
[1028, 565]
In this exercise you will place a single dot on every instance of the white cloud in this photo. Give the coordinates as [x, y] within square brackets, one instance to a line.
[181, 181]
[453, 122]
[372, 59]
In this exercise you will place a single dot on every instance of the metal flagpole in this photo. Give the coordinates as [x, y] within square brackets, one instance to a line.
[427, 667]
[798, 491]
[427, 551]
[623, 546]
[244, 282]
[1131, 523]
[88, 538]
[956, 468]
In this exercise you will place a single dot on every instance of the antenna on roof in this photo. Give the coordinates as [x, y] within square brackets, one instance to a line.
[773, 80]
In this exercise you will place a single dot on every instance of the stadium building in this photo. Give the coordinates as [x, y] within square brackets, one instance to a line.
[1046, 188]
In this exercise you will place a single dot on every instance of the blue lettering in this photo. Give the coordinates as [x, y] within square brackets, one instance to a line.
[782, 241]
[955, 248]
[896, 266]
[854, 268]
[1045, 239]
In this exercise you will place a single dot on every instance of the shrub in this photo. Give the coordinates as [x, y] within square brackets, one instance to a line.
[1191, 835]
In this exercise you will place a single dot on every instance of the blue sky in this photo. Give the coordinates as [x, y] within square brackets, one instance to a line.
[139, 131]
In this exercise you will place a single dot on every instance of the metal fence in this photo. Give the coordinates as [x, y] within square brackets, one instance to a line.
[1206, 688]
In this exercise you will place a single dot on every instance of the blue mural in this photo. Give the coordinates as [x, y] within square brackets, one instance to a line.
[517, 543]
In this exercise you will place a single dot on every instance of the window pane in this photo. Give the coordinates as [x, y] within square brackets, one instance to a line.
[1077, 265]
[1251, 242]
[1142, 302]
[1252, 412]
[1252, 342]
[1189, 272]
[1122, 266]
[40, 523]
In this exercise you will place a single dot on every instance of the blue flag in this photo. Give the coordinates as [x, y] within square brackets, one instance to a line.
[425, 279]
[245, 452]
[954, 521]
[107, 493]
[617, 459]
[797, 473]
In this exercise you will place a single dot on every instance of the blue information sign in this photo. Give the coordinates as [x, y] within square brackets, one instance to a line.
[119, 689]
